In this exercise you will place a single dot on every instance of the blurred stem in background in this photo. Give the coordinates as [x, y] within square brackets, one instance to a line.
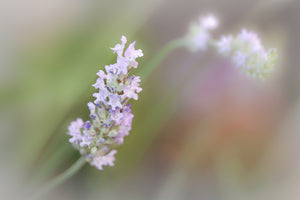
[59, 179]
[154, 62]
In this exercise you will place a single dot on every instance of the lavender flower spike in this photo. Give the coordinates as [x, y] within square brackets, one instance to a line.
[248, 54]
[110, 113]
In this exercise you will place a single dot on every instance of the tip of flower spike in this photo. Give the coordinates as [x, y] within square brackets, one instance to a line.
[119, 48]
[209, 22]
[198, 36]
[123, 39]
[272, 55]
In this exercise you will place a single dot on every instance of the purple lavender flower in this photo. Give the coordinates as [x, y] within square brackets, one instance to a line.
[224, 45]
[239, 59]
[198, 35]
[110, 113]
[74, 131]
[248, 53]
[104, 160]
[209, 22]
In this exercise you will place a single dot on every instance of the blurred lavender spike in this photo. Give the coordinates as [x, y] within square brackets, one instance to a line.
[245, 49]
[248, 53]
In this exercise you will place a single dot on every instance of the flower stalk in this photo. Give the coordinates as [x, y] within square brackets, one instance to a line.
[164, 52]
[59, 179]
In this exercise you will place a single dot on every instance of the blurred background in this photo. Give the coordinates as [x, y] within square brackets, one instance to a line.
[202, 130]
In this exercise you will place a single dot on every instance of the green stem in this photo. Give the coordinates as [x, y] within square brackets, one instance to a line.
[59, 179]
[153, 63]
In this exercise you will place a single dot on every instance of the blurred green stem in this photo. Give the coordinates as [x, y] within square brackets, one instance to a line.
[59, 179]
[153, 63]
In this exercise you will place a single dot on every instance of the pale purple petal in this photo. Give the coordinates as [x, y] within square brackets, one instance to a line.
[101, 161]
[200, 40]
[75, 130]
[101, 95]
[122, 65]
[114, 101]
[119, 48]
[239, 59]
[224, 45]
[131, 53]
[101, 74]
